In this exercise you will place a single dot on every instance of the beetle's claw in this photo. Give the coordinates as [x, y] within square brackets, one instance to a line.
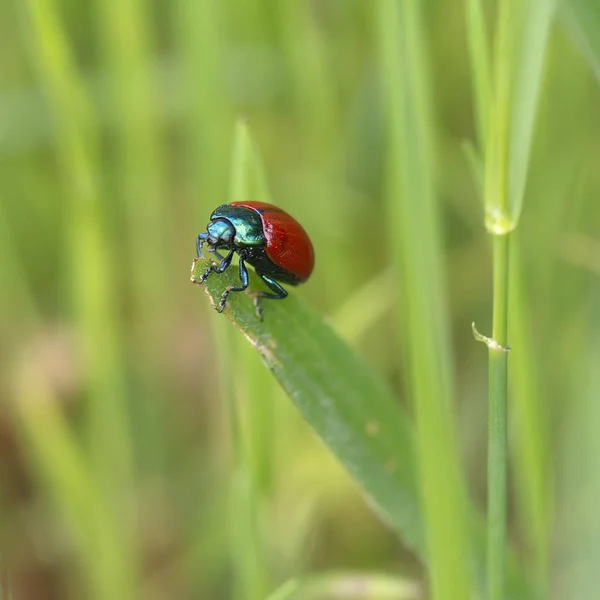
[205, 275]
[223, 301]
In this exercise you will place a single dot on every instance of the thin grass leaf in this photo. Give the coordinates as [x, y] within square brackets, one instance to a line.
[530, 439]
[125, 38]
[583, 19]
[92, 290]
[575, 573]
[350, 408]
[60, 465]
[417, 249]
[207, 124]
[521, 40]
[248, 175]
[479, 55]
[309, 64]
[92, 284]
[497, 216]
[528, 414]
[520, 47]
[252, 410]
[531, 52]
[139, 199]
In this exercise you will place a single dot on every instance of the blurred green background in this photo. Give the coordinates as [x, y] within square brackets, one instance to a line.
[116, 132]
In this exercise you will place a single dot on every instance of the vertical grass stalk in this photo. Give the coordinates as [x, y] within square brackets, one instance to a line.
[497, 424]
[500, 225]
[124, 31]
[520, 43]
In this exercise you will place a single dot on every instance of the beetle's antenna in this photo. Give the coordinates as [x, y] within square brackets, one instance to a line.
[199, 244]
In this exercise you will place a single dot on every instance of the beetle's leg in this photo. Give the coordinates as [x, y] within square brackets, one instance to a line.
[279, 294]
[200, 242]
[231, 288]
[224, 264]
[217, 253]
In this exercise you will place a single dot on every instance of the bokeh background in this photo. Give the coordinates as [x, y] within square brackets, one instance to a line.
[116, 476]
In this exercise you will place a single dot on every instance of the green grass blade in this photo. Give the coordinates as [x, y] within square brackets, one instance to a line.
[520, 49]
[253, 410]
[59, 464]
[498, 424]
[248, 175]
[139, 200]
[530, 440]
[255, 390]
[125, 40]
[497, 217]
[309, 64]
[479, 55]
[583, 18]
[352, 410]
[534, 31]
[198, 32]
[92, 288]
[498, 221]
[92, 285]
[575, 571]
[417, 246]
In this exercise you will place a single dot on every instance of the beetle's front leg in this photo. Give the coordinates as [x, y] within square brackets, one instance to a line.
[244, 284]
[216, 252]
[224, 264]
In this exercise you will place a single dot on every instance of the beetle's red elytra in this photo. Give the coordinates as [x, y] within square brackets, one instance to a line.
[286, 242]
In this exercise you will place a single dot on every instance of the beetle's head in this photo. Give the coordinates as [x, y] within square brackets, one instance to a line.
[219, 234]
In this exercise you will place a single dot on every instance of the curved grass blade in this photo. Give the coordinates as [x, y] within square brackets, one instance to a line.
[353, 411]
[350, 408]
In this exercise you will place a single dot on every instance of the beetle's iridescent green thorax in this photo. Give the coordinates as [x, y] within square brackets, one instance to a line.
[247, 224]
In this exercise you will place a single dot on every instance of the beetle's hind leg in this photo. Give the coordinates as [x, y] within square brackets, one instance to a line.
[231, 288]
[279, 293]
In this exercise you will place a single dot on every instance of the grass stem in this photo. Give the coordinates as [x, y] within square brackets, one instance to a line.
[497, 425]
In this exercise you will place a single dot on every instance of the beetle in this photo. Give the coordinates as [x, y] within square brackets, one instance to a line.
[264, 236]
